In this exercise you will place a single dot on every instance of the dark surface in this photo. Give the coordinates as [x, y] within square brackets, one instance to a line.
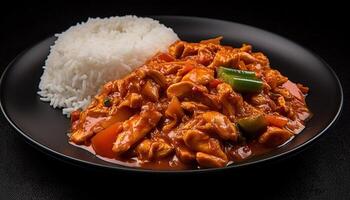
[320, 172]
[23, 75]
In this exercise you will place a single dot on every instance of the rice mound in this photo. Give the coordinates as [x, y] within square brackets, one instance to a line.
[90, 54]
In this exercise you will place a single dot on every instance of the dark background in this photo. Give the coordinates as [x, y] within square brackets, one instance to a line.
[320, 172]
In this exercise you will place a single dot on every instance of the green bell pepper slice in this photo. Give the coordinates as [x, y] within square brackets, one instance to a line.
[252, 124]
[240, 81]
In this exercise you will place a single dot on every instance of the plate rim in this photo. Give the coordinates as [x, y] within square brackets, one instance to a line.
[86, 164]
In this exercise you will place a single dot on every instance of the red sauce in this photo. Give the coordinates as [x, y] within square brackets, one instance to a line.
[237, 154]
[171, 163]
[173, 98]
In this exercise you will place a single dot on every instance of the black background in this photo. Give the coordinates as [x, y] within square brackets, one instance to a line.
[320, 172]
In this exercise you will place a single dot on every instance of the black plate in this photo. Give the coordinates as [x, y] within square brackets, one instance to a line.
[46, 127]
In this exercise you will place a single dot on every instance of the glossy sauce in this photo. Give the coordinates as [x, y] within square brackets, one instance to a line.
[237, 155]
[171, 163]
[173, 113]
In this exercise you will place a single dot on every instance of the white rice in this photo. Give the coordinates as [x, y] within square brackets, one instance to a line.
[89, 54]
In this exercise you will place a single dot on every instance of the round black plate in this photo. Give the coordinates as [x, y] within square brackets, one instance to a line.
[46, 127]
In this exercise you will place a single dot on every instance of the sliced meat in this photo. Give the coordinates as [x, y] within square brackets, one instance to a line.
[210, 161]
[184, 89]
[246, 48]
[224, 92]
[119, 115]
[205, 56]
[176, 49]
[200, 142]
[142, 149]
[153, 149]
[263, 102]
[274, 136]
[225, 57]
[85, 129]
[175, 113]
[274, 78]
[79, 136]
[199, 75]
[231, 57]
[190, 49]
[193, 106]
[151, 91]
[174, 109]
[136, 128]
[160, 149]
[88, 126]
[219, 124]
[262, 59]
[216, 40]
[133, 100]
[157, 77]
[185, 154]
[130, 84]
[191, 91]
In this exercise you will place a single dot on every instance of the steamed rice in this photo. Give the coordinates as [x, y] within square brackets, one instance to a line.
[89, 54]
